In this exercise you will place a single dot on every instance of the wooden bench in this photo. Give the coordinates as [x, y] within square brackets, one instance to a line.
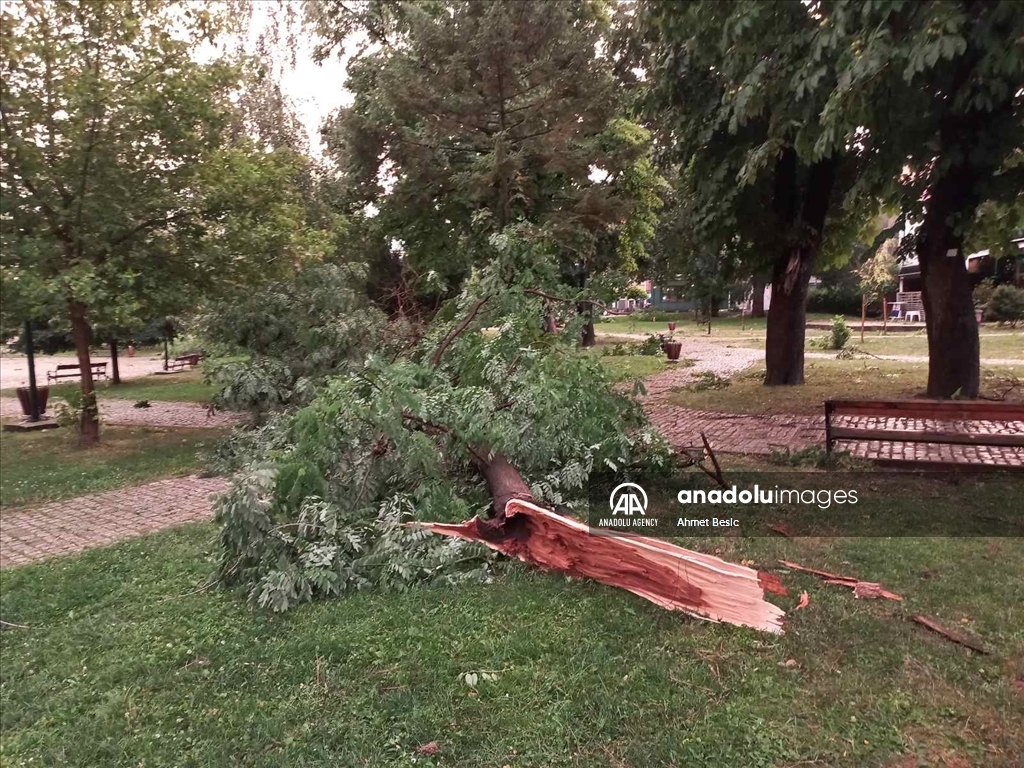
[72, 370]
[930, 410]
[181, 362]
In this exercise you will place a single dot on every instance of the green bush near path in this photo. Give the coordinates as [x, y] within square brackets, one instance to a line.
[128, 661]
[47, 466]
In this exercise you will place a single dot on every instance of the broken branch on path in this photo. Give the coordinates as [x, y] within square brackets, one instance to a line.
[950, 634]
[667, 575]
[862, 589]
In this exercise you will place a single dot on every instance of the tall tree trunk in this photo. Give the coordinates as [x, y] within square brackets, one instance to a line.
[757, 302]
[954, 365]
[115, 372]
[89, 430]
[787, 320]
[805, 214]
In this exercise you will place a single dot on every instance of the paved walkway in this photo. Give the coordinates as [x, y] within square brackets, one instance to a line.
[159, 414]
[14, 368]
[761, 434]
[60, 528]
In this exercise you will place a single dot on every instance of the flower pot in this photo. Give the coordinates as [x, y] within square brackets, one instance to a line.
[672, 327]
[977, 315]
[42, 394]
[131, 350]
[672, 349]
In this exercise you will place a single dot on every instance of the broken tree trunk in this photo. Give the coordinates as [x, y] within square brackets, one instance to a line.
[674, 578]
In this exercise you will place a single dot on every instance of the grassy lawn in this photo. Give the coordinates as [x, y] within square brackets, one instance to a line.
[126, 663]
[629, 367]
[45, 466]
[185, 387]
[825, 378]
[996, 343]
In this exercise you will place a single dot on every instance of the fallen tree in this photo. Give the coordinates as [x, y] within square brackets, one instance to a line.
[669, 576]
[484, 416]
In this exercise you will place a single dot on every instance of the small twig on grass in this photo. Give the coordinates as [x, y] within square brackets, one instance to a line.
[12, 625]
[714, 460]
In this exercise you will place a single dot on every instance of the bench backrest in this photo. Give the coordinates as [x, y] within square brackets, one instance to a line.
[77, 367]
[964, 410]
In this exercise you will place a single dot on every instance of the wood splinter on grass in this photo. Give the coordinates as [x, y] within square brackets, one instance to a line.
[950, 634]
[667, 575]
[868, 590]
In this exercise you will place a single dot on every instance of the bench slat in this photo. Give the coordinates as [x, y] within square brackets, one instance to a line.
[967, 409]
[906, 436]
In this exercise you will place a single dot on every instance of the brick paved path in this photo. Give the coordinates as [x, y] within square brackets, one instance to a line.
[754, 434]
[159, 414]
[64, 527]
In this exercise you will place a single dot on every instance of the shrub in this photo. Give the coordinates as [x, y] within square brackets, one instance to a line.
[837, 338]
[1006, 305]
[983, 292]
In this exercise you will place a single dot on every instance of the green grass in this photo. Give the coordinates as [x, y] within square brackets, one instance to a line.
[629, 367]
[185, 387]
[824, 379]
[996, 343]
[45, 466]
[126, 663]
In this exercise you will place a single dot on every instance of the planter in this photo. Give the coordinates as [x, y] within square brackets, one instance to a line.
[672, 349]
[42, 394]
[977, 315]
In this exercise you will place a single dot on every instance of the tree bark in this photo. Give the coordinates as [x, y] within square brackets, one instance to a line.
[954, 352]
[115, 372]
[550, 326]
[588, 338]
[801, 214]
[89, 429]
[757, 301]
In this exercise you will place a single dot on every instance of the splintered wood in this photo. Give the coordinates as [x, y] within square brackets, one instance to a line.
[674, 578]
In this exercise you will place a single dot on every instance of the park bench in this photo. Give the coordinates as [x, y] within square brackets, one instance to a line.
[977, 423]
[181, 362]
[72, 370]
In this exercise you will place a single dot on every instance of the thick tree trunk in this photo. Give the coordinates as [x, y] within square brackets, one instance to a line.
[801, 210]
[787, 320]
[757, 302]
[115, 372]
[954, 365]
[89, 430]
[503, 479]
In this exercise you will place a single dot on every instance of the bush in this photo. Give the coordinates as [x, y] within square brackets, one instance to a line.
[839, 335]
[1006, 305]
[983, 292]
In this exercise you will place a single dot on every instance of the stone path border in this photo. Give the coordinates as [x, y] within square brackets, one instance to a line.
[160, 414]
[29, 534]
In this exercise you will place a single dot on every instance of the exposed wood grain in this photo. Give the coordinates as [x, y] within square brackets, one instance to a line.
[674, 578]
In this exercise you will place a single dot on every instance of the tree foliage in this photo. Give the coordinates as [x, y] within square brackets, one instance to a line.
[404, 438]
[128, 184]
[471, 116]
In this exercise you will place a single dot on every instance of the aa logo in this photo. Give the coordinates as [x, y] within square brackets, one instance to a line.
[628, 499]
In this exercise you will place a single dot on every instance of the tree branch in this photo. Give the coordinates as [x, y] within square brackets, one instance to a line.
[435, 359]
